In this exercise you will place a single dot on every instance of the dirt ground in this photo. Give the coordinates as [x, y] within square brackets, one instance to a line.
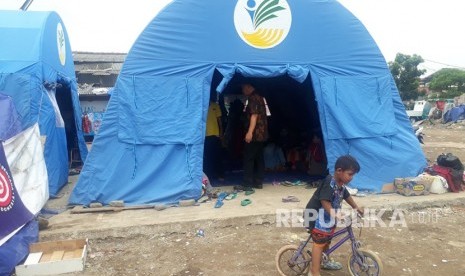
[432, 242]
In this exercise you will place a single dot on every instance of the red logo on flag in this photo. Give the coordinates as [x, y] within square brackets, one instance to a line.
[6, 190]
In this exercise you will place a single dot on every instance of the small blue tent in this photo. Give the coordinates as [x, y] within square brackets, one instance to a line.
[150, 145]
[455, 114]
[37, 74]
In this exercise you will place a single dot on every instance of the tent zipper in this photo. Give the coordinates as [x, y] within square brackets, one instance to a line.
[187, 161]
[135, 161]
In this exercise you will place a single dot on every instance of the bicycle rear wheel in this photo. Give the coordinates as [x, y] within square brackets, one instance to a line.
[366, 263]
[285, 265]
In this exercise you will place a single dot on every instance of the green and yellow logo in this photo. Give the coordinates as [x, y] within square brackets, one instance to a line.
[262, 24]
[61, 44]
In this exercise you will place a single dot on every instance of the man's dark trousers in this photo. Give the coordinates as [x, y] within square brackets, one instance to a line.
[254, 164]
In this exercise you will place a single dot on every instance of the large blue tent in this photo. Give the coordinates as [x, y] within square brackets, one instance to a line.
[150, 145]
[37, 75]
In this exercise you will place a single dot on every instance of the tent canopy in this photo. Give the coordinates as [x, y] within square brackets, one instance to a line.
[37, 73]
[150, 145]
[35, 37]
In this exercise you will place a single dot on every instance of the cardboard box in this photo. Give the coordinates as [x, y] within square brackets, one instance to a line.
[411, 186]
[55, 257]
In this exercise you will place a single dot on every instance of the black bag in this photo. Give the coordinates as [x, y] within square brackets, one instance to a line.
[450, 161]
[456, 168]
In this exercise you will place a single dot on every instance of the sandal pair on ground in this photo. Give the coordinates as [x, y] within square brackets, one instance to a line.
[229, 196]
[247, 190]
[224, 196]
[244, 202]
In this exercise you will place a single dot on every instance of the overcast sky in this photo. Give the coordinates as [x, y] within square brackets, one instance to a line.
[433, 29]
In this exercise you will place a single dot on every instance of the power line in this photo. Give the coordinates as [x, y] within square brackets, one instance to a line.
[442, 63]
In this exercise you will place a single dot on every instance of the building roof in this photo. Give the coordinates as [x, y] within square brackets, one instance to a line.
[89, 57]
[97, 72]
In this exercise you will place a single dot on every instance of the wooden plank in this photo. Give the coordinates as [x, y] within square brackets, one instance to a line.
[57, 255]
[138, 207]
[81, 210]
[45, 257]
[78, 253]
[69, 255]
[33, 258]
[66, 245]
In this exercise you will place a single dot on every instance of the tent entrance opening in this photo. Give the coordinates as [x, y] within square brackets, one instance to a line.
[65, 104]
[294, 151]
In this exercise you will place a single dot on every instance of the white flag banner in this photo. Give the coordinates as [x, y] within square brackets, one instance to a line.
[25, 156]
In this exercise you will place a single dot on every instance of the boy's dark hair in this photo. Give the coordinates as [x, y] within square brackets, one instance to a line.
[347, 162]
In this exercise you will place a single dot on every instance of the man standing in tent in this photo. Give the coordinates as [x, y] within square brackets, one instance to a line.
[255, 138]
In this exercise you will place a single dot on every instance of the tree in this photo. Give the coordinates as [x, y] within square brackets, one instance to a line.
[404, 70]
[449, 81]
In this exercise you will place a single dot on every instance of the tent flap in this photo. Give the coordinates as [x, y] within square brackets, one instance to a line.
[161, 110]
[18, 84]
[358, 106]
[297, 72]
[10, 125]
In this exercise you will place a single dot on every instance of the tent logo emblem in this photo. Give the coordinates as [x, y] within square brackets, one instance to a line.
[61, 44]
[262, 24]
[6, 190]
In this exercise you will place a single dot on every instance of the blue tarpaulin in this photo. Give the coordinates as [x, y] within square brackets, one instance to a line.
[36, 74]
[150, 145]
[10, 124]
[454, 114]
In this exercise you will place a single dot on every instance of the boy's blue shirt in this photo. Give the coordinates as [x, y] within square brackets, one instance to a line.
[325, 224]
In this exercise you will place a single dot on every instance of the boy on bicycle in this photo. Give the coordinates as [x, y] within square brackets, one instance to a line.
[326, 201]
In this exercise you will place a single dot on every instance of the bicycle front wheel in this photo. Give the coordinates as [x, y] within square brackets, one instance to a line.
[287, 267]
[365, 262]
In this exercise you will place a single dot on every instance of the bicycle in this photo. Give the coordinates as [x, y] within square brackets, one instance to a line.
[360, 261]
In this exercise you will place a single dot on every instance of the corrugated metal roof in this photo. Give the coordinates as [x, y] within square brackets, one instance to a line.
[93, 68]
[100, 68]
[86, 57]
[88, 89]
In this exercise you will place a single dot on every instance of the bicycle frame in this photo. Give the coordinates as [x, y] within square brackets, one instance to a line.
[350, 236]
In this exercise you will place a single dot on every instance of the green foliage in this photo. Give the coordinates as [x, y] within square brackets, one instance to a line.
[448, 80]
[444, 95]
[450, 94]
[404, 70]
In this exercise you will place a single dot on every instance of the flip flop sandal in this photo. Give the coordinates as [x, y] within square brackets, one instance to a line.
[290, 199]
[222, 196]
[231, 196]
[219, 203]
[298, 183]
[249, 192]
[245, 202]
[287, 183]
